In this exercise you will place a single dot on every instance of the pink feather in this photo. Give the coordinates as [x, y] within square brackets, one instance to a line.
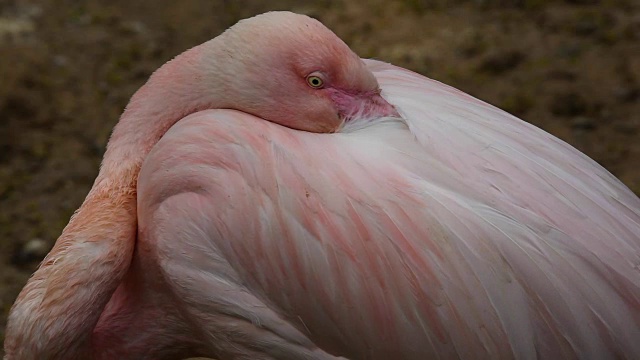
[453, 231]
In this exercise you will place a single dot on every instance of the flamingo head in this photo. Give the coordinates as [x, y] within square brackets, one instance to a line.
[290, 69]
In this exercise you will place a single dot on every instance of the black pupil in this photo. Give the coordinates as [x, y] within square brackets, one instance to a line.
[315, 82]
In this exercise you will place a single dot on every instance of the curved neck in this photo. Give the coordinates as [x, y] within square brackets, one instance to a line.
[57, 310]
[172, 92]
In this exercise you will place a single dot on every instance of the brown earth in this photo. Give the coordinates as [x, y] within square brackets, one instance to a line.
[67, 69]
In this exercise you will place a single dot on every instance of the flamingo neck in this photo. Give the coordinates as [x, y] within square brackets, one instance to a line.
[174, 91]
[57, 311]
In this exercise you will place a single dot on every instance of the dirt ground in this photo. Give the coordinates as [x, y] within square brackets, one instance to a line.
[67, 69]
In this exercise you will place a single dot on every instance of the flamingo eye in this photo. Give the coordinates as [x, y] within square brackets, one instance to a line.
[315, 81]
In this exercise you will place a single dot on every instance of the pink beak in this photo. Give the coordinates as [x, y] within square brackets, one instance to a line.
[364, 105]
[374, 106]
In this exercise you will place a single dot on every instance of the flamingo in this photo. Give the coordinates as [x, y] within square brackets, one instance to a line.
[270, 195]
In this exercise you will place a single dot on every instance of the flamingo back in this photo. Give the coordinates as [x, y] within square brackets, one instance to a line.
[457, 231]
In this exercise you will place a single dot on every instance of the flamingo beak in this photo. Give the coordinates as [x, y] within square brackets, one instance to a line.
[367, 106]
[375, 106]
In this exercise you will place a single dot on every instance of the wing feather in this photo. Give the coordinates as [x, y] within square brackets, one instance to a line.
[460, 231]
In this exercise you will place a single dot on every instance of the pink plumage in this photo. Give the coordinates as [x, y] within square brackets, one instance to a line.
[453, 231]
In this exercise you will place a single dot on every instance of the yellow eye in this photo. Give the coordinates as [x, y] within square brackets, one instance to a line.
[315, 81]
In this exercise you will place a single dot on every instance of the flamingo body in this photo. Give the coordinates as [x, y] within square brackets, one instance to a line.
[459, 231]
[336, 208]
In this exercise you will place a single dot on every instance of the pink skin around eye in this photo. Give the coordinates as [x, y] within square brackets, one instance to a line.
[364, 104]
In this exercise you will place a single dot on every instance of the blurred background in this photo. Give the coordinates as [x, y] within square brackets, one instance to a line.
[68, 68]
